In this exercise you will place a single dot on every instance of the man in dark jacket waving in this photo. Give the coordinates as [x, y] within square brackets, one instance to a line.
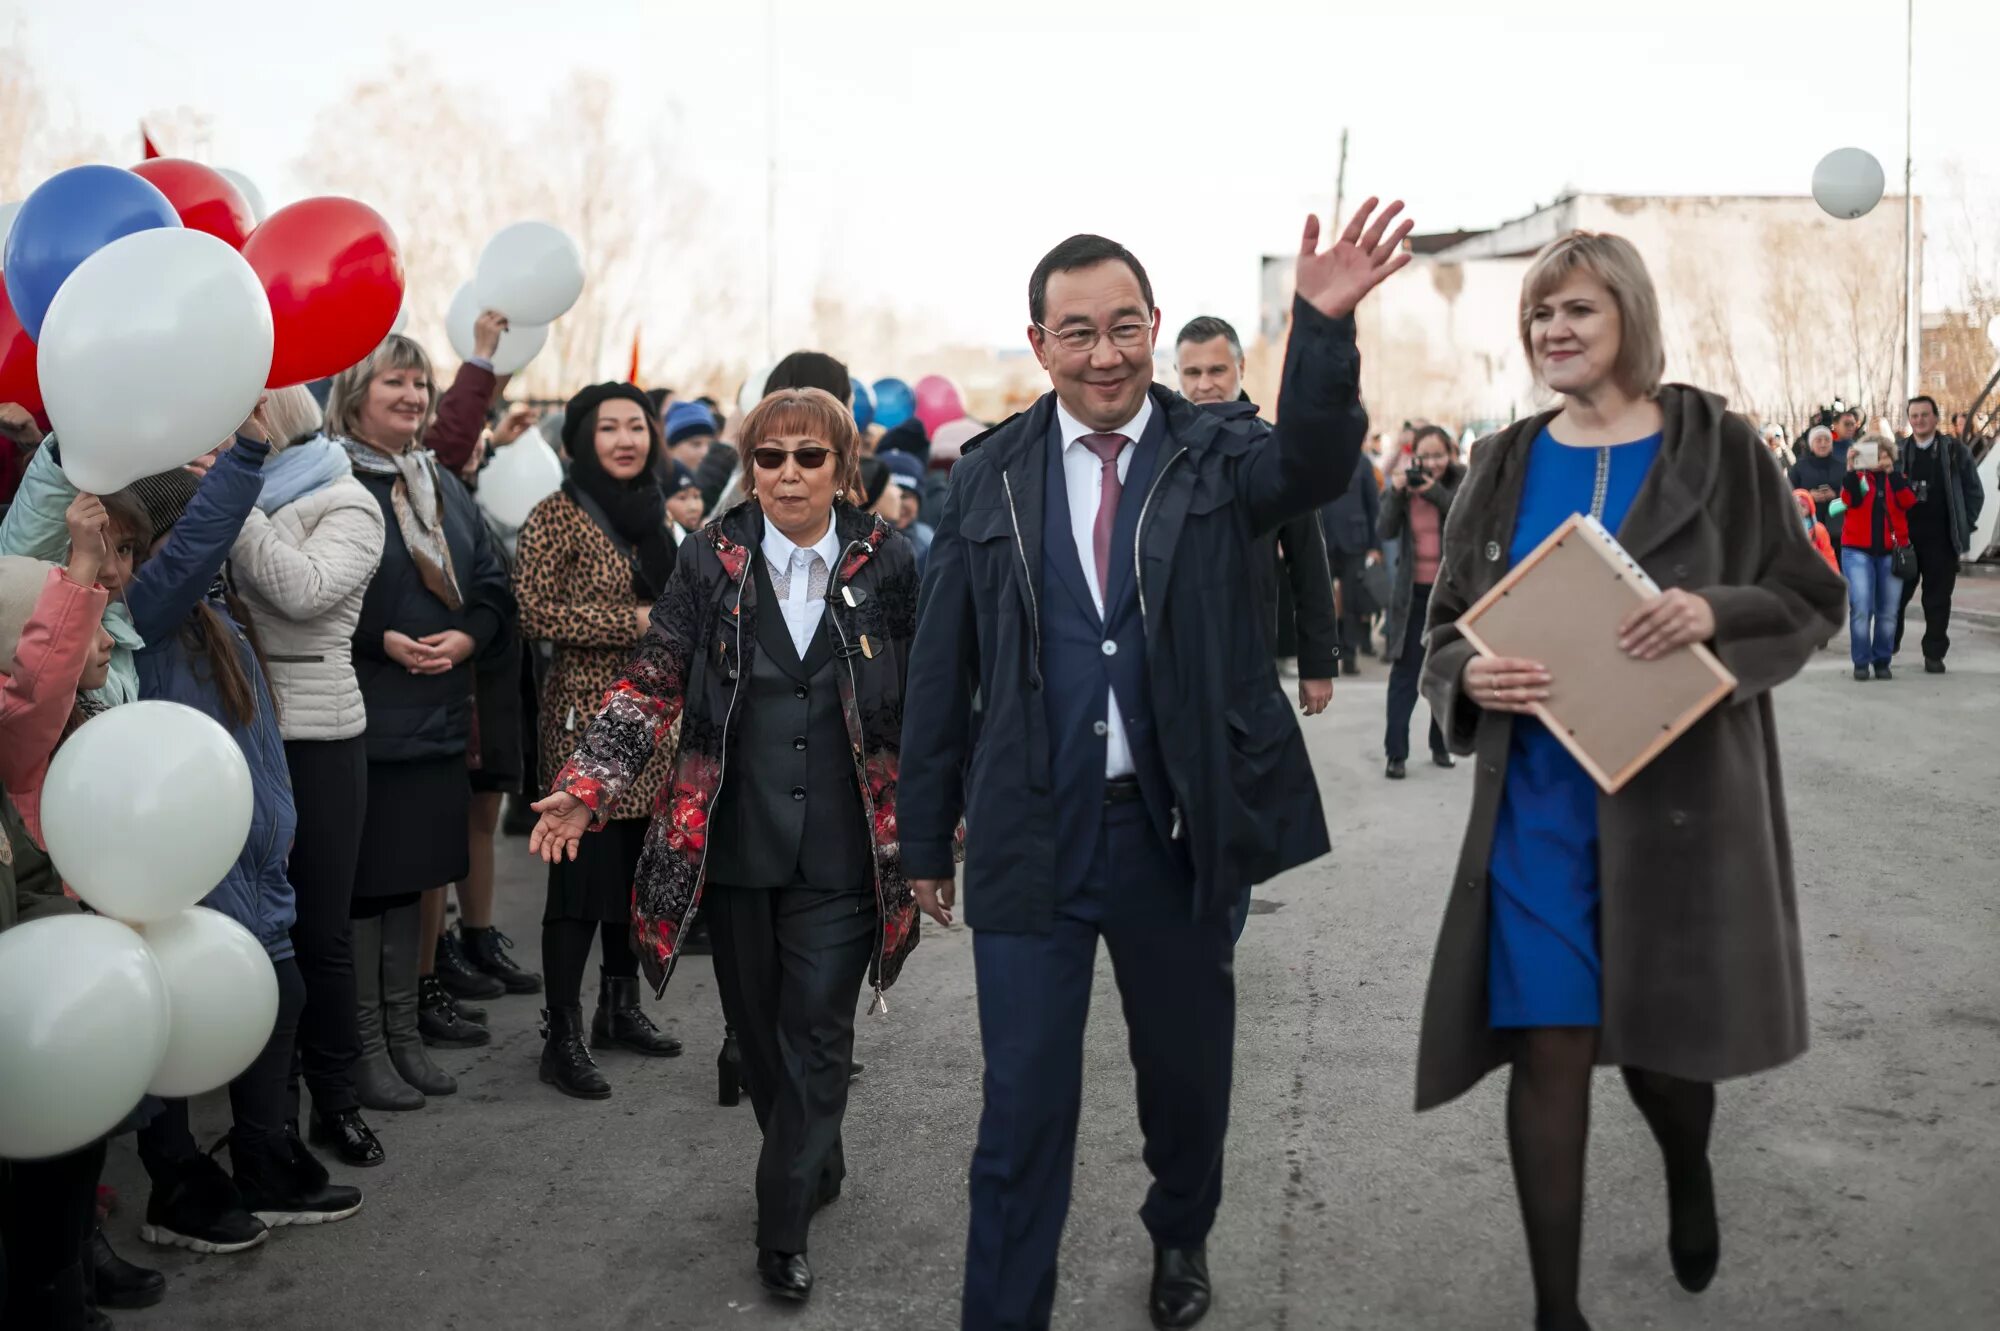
[1133, 766]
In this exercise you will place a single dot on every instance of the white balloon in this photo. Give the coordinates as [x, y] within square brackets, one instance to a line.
[520, 344]
[1847, 182]
[531, 272]
[1992, 325]
[251, 194]
[222, 1000]
[521, 475]
[402, 316]
[86, 1025]
[752, 391]
[7, 211]
[145, 808]
[154, 350]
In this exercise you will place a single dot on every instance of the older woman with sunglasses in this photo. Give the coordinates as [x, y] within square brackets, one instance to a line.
[780, 644]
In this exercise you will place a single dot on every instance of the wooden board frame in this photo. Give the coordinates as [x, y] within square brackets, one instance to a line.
[1523, 578]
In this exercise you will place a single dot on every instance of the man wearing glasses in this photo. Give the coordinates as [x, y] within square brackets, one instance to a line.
[1134, 766]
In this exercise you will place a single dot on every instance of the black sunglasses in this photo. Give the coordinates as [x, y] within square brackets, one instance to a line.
[811, 458]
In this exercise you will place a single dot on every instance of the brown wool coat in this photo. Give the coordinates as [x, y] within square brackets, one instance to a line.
[575, 592]
[1698, 926]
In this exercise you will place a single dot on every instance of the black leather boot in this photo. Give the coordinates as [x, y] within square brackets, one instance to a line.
[622, 1023]
[566, 1062]
[440, 1022]
[457, 973]
[349, 1135]
[377, 1084]
[401, 942]
[486, 950]
[119, 1283]
[1181, 1290]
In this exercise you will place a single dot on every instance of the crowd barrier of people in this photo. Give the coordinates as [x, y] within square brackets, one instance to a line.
[744, 683]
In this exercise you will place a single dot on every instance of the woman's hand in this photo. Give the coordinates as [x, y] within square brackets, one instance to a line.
[934, 896]
[1399, 478]
[486, 330]
[451, 647]
[565, 819]
[18, 425]
[513, 425]
[1670, 622]
[407, 652]
[1505, 684]
[255, 428]
[89, 538]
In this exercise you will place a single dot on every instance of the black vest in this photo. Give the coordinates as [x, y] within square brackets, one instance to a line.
[789, 811]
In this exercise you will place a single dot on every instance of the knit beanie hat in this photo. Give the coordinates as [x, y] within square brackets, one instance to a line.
[909, 437]
[21, 583]
[686, 420]
[679, 478]
[164, 496]
[908, 471]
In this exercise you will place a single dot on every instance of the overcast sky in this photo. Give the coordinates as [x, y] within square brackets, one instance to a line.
[929, 152]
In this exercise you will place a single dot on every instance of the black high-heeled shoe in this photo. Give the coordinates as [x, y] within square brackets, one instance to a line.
[349, 1135]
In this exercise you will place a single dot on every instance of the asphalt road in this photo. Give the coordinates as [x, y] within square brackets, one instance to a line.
[1860, 1186]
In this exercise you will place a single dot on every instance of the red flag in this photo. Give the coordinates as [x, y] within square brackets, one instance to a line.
[146, 141]
[632, 370]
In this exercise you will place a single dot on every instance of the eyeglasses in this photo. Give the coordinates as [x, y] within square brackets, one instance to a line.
[1079, 340]
[810, 458]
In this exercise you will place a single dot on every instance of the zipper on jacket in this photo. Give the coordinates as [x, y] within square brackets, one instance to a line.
[721, 773]
[1027, 574]
[879, 1005]
[1139, 536]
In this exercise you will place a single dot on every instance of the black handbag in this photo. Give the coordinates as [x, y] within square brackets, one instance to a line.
[1903, 562]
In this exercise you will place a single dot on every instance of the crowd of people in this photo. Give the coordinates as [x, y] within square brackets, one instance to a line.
[698, 679]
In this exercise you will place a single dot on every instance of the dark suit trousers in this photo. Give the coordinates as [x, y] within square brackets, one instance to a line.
[1937, 575]
[789, 963]
[1355, 607]
[1403, 678]
[1177, 982]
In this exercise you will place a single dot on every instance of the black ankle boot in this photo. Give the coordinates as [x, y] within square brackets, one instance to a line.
[566, 1062]
[486, 950]
[459, 976]
[439, 1021]
[349, 1135]
[1694, 1236]
[121, 1284]
[621, 1022]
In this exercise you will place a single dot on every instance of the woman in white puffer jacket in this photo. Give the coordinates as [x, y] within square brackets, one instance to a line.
[301, 565]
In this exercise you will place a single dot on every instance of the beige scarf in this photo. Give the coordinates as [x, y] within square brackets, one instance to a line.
[419, 506]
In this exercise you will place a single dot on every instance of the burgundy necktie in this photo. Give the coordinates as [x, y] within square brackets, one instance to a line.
[1107, 447]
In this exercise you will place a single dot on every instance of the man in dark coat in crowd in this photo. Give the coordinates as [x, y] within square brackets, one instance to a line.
[1352, 546]
[1949, 499]
[1134, 766]
[1209, 358]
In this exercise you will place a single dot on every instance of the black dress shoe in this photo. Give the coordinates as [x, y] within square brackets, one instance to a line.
[349, 1135]
[785, 1275]
[1181, 1290]
[486, 951]
[1933, 666]
[1396, 770]
[1439, 758]
[119, 1283]
[458, 975]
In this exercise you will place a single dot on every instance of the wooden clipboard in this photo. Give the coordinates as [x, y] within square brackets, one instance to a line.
[1562, 606]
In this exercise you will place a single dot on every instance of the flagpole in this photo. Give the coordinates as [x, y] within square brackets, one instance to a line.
[770, 177]
[1912, 332]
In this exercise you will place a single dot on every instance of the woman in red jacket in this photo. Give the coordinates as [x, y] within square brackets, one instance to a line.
[1878, 500]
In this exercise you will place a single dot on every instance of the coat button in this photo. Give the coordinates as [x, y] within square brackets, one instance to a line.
[799, 692]
[798, 792]
[1100, 729]
[799, 743]
[1678, 819]
[1493, 552]
[1680, 570]
[1110, 647]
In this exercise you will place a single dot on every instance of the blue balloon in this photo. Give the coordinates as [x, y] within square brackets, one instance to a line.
[894, 403]
[864, 404]
[70, 216]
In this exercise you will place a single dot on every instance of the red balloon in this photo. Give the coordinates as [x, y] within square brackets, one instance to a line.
[335, 279]
[203, 198]
[18, 380]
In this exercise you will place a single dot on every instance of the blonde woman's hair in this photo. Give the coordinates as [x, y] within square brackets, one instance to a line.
[350, 387]
[1612, 260]
[291, 416]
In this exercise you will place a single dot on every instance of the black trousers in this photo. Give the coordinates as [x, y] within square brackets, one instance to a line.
[1177, 982]
[330, 788]
[48, 1209]
[789, 963]
[1404, 676]
[259, 1104]
[1937, 574]
[1355, 607]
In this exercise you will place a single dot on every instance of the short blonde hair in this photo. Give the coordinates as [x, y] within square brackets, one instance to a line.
[1612, 260]
[350, 386]
[291, 416]
[812, 412]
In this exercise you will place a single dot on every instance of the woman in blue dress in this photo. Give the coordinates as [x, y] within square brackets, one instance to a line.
[1655, 929]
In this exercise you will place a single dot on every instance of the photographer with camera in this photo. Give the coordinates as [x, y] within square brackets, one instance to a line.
[1413, 510]
[1949, 496]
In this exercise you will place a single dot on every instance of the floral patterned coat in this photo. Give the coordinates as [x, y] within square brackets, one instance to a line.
[688, 668]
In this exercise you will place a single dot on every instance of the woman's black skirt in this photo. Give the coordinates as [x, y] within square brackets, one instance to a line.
[415, 836]
[597, 885]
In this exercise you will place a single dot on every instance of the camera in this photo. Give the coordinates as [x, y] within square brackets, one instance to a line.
[1416, 477]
